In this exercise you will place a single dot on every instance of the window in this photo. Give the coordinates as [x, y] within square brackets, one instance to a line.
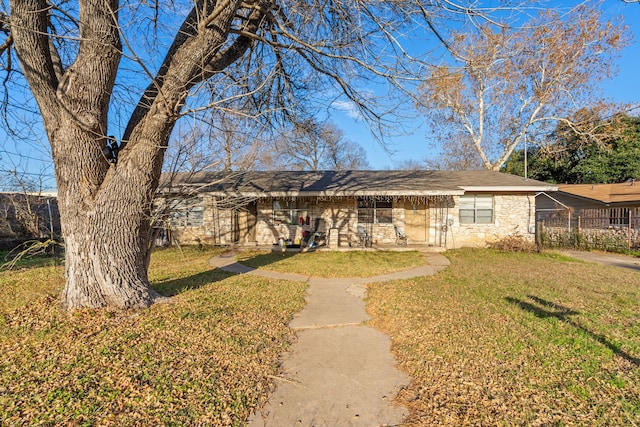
[619, 216]
[476, 209]
[375, 211]
[290, 211]
[187, 212]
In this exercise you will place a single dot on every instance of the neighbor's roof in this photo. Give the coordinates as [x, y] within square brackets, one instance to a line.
[355, 183]
[605, 193]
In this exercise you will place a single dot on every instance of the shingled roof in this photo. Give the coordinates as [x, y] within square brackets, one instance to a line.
[605, 193]
[355, 183]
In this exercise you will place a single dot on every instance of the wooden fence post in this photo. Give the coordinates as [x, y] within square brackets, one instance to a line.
[629, 232]
[539, 227]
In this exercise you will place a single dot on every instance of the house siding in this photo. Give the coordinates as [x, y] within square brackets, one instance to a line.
[513, 215]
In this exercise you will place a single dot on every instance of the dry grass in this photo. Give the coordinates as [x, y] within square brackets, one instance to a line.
[333, 263]
[516, 339]
[206, 358]
[497, 339]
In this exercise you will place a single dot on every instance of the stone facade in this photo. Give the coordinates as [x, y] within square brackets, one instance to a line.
[513, 214]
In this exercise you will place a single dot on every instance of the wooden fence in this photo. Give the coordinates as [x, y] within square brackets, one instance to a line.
[610, 229]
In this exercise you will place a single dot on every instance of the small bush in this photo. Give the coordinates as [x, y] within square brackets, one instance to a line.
[514, 244]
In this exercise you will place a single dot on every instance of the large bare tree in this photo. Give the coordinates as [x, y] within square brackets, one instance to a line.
[311, 145]
[507, 82]
[84, 62]
[111, 78]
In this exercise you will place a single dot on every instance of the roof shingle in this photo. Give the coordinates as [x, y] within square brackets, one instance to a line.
[605, 193]
[356, 183]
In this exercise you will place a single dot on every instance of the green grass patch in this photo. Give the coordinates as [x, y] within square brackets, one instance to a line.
[207, 357]
[516, 339]
[333, 263]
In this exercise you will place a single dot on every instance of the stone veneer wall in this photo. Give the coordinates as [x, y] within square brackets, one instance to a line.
[512, 214]
[215, 229]
[336, 213]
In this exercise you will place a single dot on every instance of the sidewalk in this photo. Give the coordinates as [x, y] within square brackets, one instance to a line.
[340, 372]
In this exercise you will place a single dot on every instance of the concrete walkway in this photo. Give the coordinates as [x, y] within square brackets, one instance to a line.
[340, 372]
[606, 258]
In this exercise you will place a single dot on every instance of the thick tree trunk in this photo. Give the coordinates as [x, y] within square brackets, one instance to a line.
[104, 263]
[105, 207]
[105, 215]
[107, 237]
[106, 243]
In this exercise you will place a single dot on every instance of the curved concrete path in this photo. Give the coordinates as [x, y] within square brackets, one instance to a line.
[340, 372]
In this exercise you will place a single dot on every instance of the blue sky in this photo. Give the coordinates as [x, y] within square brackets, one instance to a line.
[625, 87]
[412, 145]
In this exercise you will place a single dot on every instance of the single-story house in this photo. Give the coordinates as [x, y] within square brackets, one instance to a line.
[436, 208]
[611, 203]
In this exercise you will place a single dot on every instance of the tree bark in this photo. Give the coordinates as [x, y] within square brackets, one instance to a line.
[105, 207]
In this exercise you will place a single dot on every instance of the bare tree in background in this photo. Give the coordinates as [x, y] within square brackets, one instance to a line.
[510, 82]
[225, 142]
[311, 145]
[109, 105]
[457, 154]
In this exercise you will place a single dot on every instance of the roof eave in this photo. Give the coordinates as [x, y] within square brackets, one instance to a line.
[585, 198]
[508, 188]
[341, 193]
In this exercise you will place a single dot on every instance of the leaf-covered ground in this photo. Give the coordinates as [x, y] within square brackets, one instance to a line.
[516, 339]
[331, 264]
[496, 339]
[206, 358]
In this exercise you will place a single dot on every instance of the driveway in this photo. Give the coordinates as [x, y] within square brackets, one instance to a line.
[605, 258]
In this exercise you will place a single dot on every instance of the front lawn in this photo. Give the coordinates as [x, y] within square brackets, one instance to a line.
[331, 264]
[516, 339]
[206, 358]
[495, 339]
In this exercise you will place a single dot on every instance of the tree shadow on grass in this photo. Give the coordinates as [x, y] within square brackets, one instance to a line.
[173, 287]
[544, 309]
[262, 260]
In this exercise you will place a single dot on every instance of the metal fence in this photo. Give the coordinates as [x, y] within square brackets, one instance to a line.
[610, 229]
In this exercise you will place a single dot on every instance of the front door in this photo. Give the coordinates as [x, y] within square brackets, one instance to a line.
[416, 222]
[244, 227]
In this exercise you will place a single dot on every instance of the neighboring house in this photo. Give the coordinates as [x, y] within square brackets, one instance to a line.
[436, 208]
[27, 217]
[613, 202]
[602, 216]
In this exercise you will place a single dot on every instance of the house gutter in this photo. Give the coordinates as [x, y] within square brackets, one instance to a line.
[508, 189]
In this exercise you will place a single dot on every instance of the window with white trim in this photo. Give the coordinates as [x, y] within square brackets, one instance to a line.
[476, 209]
[371, 211]
[187, 212]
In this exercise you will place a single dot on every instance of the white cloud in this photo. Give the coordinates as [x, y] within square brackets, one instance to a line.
[348, 107]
